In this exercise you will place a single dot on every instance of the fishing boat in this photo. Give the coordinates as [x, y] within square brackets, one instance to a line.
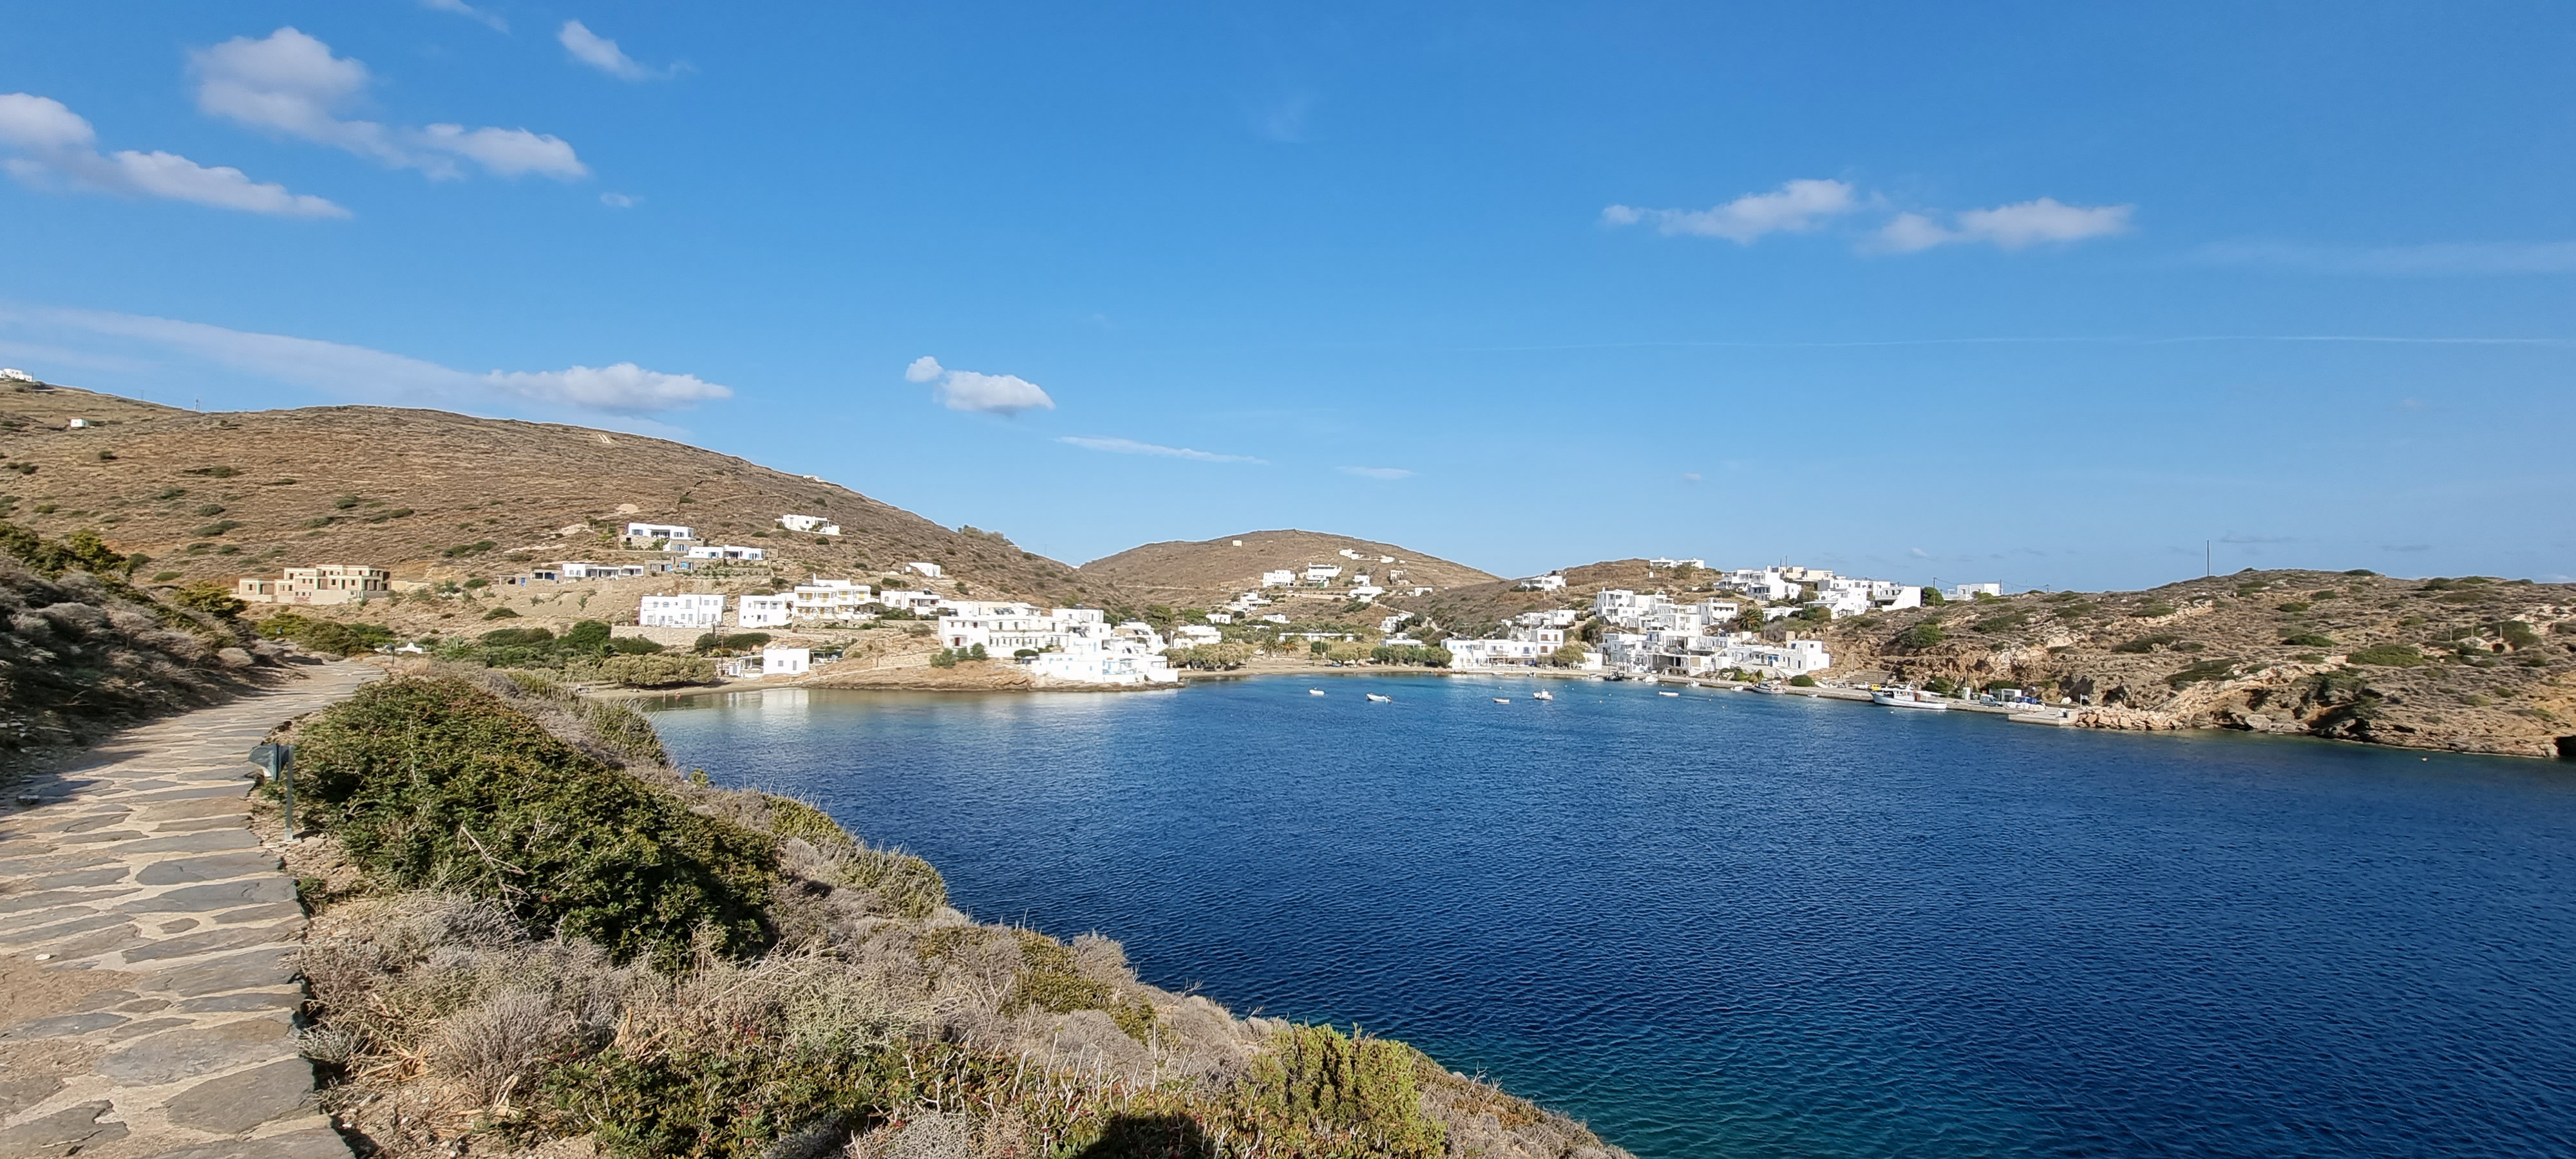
[1903, 697]
[1771, 688]
[1314, 692]
[1542, 694]
[1374, 698]
[1668, 694]
[1502, 700]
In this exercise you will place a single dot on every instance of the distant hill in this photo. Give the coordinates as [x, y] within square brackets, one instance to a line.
[438, 495]
[1215, 568]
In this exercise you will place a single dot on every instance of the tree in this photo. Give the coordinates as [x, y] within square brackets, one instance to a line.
[1922, 635]
[1932, 595]
[1569, 656]
[1750, 619]
[1318, 647]
[976, 653]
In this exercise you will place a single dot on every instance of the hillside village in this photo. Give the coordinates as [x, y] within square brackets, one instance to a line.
[799, 580]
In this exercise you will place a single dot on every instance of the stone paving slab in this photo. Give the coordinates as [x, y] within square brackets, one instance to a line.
[146, 941]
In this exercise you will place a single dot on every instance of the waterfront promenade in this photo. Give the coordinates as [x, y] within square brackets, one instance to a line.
[147, 938]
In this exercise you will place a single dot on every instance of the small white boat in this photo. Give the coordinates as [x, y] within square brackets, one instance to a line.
[1668, 694]
[1314, 692]
[1542, 694]
[1903, 697]
[1374, 698]
[1770, 687]
[1502, 700]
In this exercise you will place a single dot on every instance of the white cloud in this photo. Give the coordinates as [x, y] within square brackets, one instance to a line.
[2427, 260]
[620, 200]
[1132, 447]
[1001, 394]
[1795, 207]
[379, 376]
[490, 20]
[601, 53]
[58, 147]
[289, 83]
[1378, 472]
[2011, 227]
[621, 389]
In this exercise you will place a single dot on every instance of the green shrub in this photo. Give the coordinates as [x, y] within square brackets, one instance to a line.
[2387, 656]
[1922, 635]
[211, 598]
[944, 658]
[733, 642]
[516, 637]
[1802, 680]
[436, 783]
[2003, 622]
[2154, 610]
[664, 670]
[1317, 1093]
[329, 637]
[2309, 640]
[1050, 981]
[2518, 633]
[500, 614]
[909, 886]
[2296, 606]
[2143, 644]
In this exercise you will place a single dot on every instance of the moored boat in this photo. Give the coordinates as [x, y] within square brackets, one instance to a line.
[1542, 694]
[1314, 692]
[1903, 697]
[1770, 688]
[1374, 698]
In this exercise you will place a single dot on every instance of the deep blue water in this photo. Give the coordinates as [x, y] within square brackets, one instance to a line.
[1724, 924]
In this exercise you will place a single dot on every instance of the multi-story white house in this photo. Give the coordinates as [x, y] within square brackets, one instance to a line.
[1321, 574]
[1971, 591]
[580, 570]
[1284, 577]
[918, 603]
[728, 551]
[813, 524]
[1193, 635]
[1551, 582]
[328, 583]
[831, 601]
[775, 611]
[1852, 596]
[1769, 584]
[668, 534]
[688, 611]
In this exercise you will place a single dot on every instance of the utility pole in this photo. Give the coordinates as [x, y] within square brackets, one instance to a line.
[2208, 559]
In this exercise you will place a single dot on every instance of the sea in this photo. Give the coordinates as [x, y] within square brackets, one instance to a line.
[1726, 924]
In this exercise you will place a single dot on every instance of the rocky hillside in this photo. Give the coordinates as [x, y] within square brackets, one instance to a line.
[1175, 571]
[2473, 664]
[1479, 609]
[437, 496]
[83, 652]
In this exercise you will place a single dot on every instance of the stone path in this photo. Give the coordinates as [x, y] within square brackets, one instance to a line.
[147, 991]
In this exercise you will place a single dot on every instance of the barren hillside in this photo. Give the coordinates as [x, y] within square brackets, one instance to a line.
[2474, 664]
[1179, 570]
[435, 495]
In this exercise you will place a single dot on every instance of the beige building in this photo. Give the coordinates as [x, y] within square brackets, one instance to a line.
[329, 583]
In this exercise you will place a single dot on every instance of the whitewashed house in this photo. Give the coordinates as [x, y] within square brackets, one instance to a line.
[1670, 564]
[1550, 582]
[831, 602]
[672, 536]
[1322, 574]
[775, 611]
[1220, 617]
[786, 661]
[728, 551]
[688, 611]
[811, 524]
[1964, 592]
[1193, 635]
[918, 603]
[1281, 578]
[926, 569]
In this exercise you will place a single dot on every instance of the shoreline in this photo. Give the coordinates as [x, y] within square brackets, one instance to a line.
[2095, 718]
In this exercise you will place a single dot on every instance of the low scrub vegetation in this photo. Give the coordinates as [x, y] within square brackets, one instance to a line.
[2387, 656]
[536, 933]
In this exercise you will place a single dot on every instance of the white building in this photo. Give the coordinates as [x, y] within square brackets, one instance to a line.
[1193, 635]
[1322, 573]
[1275, 618]
[814, 524]
[690, 611]
[1278, 579]
[1542, 583]
[728, 551]
[831, 601]
[1220, 617]
[1486, 655]
[764, 611]
[579, 570]
[917, 603]
[1971, 591]
[670, 531]
[1388, 625]
[1669, 564]
[1367, 593]
[1769, 584]
[927, 570]
[1852, 596]
[786, 661]
[1075, 644]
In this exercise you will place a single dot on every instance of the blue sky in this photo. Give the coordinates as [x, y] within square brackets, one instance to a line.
[2046, 294]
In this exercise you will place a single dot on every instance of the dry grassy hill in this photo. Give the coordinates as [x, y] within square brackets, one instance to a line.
[1208, 570]
[434, 495]
[2475, 664]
